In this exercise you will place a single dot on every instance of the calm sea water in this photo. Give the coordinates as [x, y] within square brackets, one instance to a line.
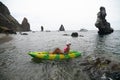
[16, 64]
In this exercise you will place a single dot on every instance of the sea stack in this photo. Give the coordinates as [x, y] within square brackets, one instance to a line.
[7, 22]
[25, 25]
[102, 24]
[42, 28]
[61, 28]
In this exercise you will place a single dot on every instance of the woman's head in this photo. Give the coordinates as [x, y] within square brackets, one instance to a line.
[68, 43]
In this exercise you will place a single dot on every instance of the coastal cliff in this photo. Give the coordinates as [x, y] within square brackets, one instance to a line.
[8, 24]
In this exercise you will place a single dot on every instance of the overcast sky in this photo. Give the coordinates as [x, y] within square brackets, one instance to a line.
[73, 14]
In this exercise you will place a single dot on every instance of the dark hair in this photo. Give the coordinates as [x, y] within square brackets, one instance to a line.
[68, 44]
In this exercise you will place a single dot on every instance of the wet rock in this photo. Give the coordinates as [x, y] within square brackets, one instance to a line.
[81, 36]
[61, 28]
[7, 20]
[102, 24]
[10, 32]
[25, 26]
[6, 30]
[24, 33]
[104, 77]
[101, 68]
[74, 34]
[113, 75]
[65, 34]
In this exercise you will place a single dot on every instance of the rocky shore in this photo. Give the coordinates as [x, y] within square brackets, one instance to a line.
[101, 67]
[4, 38]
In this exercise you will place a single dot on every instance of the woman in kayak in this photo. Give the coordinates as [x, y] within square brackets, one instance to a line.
[66, 49]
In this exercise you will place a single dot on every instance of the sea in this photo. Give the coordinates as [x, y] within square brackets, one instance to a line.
[16, 64]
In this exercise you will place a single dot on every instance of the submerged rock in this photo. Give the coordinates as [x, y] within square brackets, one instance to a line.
[83, 30]
[81, 36]
[101, 68]
[61, 28]
[24, 33]
[47, 31]
[65, 34]
[25, 26]
[102, 24]
[74, 34]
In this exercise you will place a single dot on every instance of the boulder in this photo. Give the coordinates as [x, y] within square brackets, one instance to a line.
[102, 24]
[74, 34]
[25, 26]
[7, 20]
[23, 33]
[61, 28]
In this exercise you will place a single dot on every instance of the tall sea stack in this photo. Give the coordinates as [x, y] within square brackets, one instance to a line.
[42, 28]
[25, 25]
[102, 24]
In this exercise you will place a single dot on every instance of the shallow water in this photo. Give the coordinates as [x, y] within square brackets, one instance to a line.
[16, 64]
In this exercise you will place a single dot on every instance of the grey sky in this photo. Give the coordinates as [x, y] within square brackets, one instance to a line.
[73, 14]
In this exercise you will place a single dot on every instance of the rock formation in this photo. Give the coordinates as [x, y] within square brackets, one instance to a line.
[101, 68]
[23, 33]
[25, 25]
[83, 30]
[7, 22]
[74, 34]
[61, 28]
[102, 24]
[42, 28]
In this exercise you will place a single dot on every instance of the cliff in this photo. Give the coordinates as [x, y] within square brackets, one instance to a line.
[8, 24]
[7, 21]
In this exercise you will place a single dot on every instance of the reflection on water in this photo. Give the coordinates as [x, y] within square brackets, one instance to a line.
[16, 64]
[107, 44]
